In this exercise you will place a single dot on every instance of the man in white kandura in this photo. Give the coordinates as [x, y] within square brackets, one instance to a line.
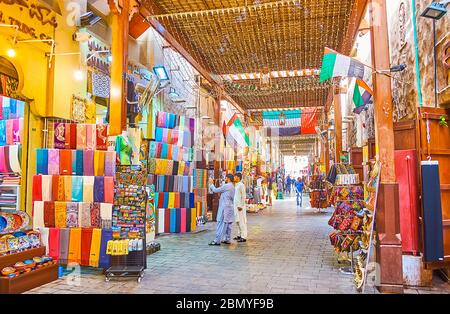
[240, 213]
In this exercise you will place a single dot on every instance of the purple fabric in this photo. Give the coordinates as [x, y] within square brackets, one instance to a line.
[60, 135]
[99, 189]
[53, 162]
[88, 163]
[110, 164]
[72, 215]
[104, 258]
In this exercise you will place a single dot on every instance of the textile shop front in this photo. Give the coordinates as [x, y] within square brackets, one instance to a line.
[72, 194]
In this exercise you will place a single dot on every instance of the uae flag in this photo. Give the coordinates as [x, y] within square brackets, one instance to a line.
[234, 132]
[294, 122]
[335, 64]
[361, 96]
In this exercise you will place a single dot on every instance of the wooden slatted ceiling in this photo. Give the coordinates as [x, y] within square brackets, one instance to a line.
[287, 37]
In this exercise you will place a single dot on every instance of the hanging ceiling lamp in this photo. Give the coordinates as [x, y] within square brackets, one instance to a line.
[282, 119]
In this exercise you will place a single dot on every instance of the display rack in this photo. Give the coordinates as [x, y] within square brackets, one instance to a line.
[318, 192]
[129, 224]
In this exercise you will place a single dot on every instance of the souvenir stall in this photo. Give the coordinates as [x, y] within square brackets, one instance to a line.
[317, 187]
[171, 170]
[24, 263]
[73, 191]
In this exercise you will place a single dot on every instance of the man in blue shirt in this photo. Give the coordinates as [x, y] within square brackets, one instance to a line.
[299, 186]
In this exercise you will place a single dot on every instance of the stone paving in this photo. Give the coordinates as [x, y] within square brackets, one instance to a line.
[288, 251]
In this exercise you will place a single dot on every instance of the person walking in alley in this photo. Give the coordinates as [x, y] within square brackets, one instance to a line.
[288, 184]
[269, 189]
[240, 213]
[299, 186]
[225, 213]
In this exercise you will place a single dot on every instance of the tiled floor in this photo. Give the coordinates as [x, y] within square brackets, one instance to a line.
[288, 252]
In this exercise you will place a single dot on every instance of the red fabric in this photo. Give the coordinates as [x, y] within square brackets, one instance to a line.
[73, 136]
[109, 189]
[161, 200]
[102, 136]
[53, 243]
[177, 200]
[86, 238]
[167, 220]
[37, 188]
[406, 173]
[49, 214]
[65, 161]
[309, 117]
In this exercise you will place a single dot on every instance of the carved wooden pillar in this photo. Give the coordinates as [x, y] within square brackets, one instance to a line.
[119, 53]
[389, 248]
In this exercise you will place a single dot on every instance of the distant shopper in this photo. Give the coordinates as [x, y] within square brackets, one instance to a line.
[269, 189]
[240, 213]
[225, 214]
[288, 184]
[258, 190]
[299, 186]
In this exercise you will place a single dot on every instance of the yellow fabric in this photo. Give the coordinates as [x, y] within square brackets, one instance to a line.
[51, 135]
[193, 219]
[99, 163]
[88, 189]
[171, 203]
[95, 247]
[117, 247]
[181, 168]
[68, 188]
[60, 214]
[159, 166]
[90, 111]
[75, 246]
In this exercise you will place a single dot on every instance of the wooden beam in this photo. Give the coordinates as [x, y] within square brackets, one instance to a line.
[119, 52]
[389, 246]
[356, 17]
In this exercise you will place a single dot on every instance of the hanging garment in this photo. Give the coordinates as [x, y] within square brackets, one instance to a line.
[60, 214]
[95, 215]
[91, 136]
[77, 188]
[109, 190]
[160, 221]
[67, 188]
[74, 162]
[51, 135]
[171, 200]
[2, 132]
[99, 163]
[102, 136]
[88, 189]
[47, 188]
[53, 243]
[44, 238]
[99, 189]
[100, 84]
[173, 220]
[72, 215]
[9, 132]
[74, 255]
[183, 220]
[84, 215]
[81, 136]
[65, 162]
[104, 258]
[124, 149]
[14, 158]
[41, 161]
[49, 214]
[88, 162]
[193, 220]
[78, 170]
[95, 247]
[59, 135]
[188, 219]
[167, 220]
[106, 215]
[38, 215]
[110, 164]
[70, 135]
[159, 134]
[53, 161]
[86, 239]
[64, 238]
[37, 188]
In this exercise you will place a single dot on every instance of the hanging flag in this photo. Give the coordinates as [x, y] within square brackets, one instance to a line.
[335, 64]
[235, 132]
[284, 118]
[361, 96]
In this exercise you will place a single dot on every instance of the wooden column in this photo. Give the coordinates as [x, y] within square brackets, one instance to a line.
[337, 126]
[389, 249]
[119, 64]
[327, 145]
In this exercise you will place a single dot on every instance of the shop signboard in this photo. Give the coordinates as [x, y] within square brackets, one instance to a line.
[33, 19]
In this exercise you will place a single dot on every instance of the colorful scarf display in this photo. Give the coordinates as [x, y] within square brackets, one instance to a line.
[74, 255]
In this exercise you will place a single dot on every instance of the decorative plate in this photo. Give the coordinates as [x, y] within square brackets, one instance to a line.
[3, 223]
[8, 270]
[25, 219]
